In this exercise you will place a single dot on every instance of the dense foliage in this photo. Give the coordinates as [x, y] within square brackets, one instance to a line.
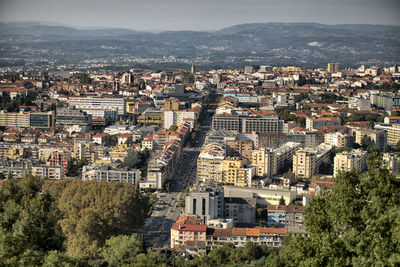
[28, 230]
[90, 212]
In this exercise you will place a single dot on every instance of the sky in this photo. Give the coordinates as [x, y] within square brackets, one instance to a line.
[156, 15]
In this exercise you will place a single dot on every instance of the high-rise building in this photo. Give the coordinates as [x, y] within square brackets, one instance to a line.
[268, 162]
[333, 67]
[348, 161]
[171, 103]
[207, 204]
[312, 123]
[247, 123]
[234, 172]
[16, 119]
[95, 102]
[306, 162]
[378, 137]
[69, 117]
[60, 158]
[209, 163]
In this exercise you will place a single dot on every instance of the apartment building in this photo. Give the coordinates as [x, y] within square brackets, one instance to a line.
[70, 117]
[177, 117]
[50, 171]
[378, 137]
[171, 103]
[283, 216]
[247, 123]
[17, 168]
[339, 139]
[393, 134]
[268, 161]
[240, 236]
[96, 102]
[15, 119]
[127, 155]
[348, 161]
[111, 114]
[312, 123]
[264, 196]
[189, 233]
[136, 107]
[360, 103]
[152, 116]
[105, 173]
[209, 163]
[60, 158]
[306, 161]
[385, 101]
[241, 210]
[236, 173]
[240, 147]
[187, 229]
[333, 67]
[162, 165]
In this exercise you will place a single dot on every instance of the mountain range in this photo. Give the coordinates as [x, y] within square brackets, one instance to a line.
[302, 44]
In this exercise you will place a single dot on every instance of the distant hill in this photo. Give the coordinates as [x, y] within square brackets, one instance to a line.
[303, 44]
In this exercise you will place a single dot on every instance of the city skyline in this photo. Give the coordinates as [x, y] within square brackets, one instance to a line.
[191, 15]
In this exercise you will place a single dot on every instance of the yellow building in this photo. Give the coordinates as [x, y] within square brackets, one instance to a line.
[15, 152]
[152, 116]
[171, 103]
[393, 134]
[333, 67]
[124, 153]
[233, 172]
[304, 163]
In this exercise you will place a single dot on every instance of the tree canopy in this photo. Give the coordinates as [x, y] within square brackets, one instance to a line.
[90, 212]
[356, 223]
[28, 230]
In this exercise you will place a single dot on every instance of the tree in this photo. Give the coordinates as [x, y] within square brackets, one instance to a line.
[85, 78]
[356, 223]
[262, 215]
[111, 140]
[366, 141]
[2, 176]
[28, 229]
[90, 212]
[122, 249]
[75, 167]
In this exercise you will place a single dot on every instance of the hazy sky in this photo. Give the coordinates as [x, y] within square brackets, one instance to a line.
[200, 14]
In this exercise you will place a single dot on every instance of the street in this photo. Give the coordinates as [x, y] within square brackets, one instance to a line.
[167, 209]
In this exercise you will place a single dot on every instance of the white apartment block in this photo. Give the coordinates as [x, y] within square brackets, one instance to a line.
[348, 161]
[110, 175]
[95, 102]
[102, 113]
[172, 117]
[306, 161]
[312, 123]
[52, 172]
[360, 103]
[268, 161]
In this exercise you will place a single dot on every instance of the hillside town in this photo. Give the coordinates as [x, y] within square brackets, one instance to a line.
[231, 156]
